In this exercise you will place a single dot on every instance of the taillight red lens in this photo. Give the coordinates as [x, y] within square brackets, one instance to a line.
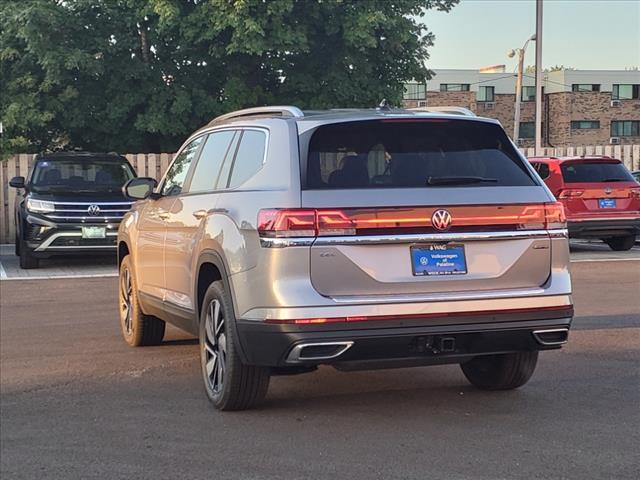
[570, 193]
[554, 216]
[287, 223]
[399, 220]
[334, 222]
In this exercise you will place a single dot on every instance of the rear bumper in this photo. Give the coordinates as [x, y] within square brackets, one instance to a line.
[399, 343]
[604, 227]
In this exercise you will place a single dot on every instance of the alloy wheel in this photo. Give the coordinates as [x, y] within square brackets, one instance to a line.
[214, 347]
[126, 301]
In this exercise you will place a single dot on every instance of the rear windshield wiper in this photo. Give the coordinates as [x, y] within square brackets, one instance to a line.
[615, 180]
[459, 180]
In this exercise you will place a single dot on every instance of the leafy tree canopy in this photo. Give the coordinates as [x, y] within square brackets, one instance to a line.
[139, 75]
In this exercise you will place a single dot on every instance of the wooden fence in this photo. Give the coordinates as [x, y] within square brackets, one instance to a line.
[154, 165]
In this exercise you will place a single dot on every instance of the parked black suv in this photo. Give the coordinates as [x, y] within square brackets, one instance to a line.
[71, 203]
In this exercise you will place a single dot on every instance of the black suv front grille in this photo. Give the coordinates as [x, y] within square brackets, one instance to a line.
[109, 241]
[81, 212]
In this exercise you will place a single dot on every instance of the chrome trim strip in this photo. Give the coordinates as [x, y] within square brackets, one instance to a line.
[559, 233]
[83, 247]
[282, 242]
[295, 354]
[44, 245]
[536, 334]
[77, 210]
[286, 242]
[439, 297]
[434, 237]
[92, 203]
[93, 217]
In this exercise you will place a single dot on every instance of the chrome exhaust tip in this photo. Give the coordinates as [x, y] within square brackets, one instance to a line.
[551, 337]
[317, 351]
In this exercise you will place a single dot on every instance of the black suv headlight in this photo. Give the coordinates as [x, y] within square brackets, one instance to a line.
[40, 206]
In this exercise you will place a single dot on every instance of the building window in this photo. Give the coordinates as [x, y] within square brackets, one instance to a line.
[585, 124]
[527, 130]
[625, 92]
[486, 94]
[528, 94]
[454, 87]
[585, 87]
[415, 91]
[625, 128]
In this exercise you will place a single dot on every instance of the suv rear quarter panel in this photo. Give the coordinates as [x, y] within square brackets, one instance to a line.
[231, 228]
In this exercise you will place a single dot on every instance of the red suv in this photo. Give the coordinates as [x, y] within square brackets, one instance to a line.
[600, 197]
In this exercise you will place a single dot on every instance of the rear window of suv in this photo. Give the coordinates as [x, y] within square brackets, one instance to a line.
[595, 172]
[405, 153]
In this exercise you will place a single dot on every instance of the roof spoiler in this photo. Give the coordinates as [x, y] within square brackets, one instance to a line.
[276, 111]
[445, 109]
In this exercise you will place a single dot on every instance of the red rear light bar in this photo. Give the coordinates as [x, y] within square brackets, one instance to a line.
[362, 221]
[561, 309]
[570, 193]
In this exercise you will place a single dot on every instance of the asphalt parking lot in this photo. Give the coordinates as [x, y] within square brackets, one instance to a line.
[77, 403]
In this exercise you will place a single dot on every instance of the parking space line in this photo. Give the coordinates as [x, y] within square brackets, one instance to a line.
[3, 274]
[585, 260]
[60, 277]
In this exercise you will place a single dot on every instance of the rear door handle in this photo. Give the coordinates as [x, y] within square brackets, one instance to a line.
[162, 215]
[200, 214]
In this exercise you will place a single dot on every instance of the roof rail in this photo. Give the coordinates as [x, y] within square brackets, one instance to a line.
[451, 110]
[276, 111]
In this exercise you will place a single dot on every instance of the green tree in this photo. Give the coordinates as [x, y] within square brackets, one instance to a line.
[138, 75]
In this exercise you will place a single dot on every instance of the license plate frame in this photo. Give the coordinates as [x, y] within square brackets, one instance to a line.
[436, 259]
[607, 203]
[94, 232]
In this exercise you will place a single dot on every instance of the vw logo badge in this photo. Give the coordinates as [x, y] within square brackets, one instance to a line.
[608, 190]
[441, 220]
[93, 210]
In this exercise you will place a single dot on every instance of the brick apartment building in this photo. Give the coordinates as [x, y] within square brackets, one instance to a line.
[580, 107]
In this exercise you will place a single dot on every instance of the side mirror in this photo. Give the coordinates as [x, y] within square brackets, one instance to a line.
[139, 188]
[17, 182]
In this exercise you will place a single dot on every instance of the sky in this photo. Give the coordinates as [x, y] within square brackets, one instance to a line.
[584, 34]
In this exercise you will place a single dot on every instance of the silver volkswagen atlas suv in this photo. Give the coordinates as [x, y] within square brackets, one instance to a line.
[360, 239]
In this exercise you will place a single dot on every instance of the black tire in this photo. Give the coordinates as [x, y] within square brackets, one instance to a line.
[137, 328]
[228, 383]
[500, 372]
[621, 244]
[27, 261]
[16, 245]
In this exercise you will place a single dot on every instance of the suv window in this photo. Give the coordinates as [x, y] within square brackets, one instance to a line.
[177, 173]
[80, 175]
[413, 153]
[594, 172]
[249, 157]
[542, 169]
[214, 151]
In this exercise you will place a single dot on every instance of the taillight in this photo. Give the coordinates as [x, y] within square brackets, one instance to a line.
[334, 222]
[634, 193]
[398, 220]
[564, 309]
[570, 193]
[554, 216]
[287, 223]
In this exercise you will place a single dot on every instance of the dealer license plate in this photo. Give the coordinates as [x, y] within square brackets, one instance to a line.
[94, 232]
[438, 259]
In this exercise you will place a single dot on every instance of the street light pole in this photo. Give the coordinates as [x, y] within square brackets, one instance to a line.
[539, 77]
[516, 116]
